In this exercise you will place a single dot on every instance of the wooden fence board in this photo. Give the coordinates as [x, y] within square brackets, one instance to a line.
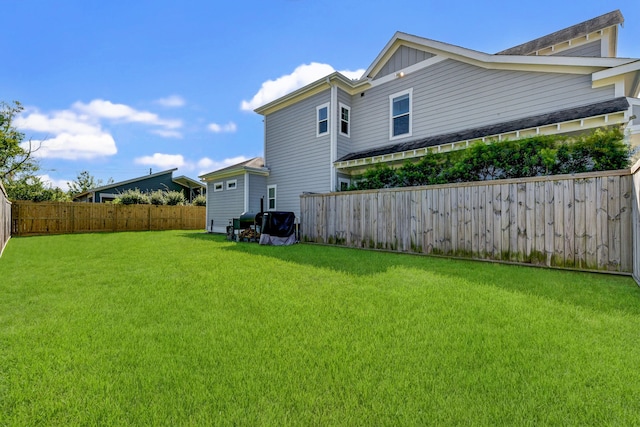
[591, 221]
[30, 218]
[580, 226]
[568, 198]
[584, 220]
[626, 233]
[613, 220]
[602, 223]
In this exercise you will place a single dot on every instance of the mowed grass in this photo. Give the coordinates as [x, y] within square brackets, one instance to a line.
[185, 328]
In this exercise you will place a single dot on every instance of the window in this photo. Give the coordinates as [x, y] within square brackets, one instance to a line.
[322, 113]
[232, 184]
[217, 186]
[343, 184]
[271, 197]
[400, 109]
[345, 119]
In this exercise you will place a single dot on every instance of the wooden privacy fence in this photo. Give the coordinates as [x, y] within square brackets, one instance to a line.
[5, 218]
[582, 221]
[30, 218]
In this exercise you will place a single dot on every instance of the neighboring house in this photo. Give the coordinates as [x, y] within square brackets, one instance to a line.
[156, 181]
[421, 94]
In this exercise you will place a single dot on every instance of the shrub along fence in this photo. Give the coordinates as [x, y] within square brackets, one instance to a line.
[5, 218]
[30, 218]
[582, 221]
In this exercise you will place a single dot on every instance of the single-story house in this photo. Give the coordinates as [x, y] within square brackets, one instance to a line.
[148, 183]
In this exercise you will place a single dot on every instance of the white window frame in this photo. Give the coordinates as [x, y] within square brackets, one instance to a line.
[232, 184]
[343, 181]
[391, 117]
[275, 197]
[215, 186]
[109, 196]
[318, 121]
[342, 106]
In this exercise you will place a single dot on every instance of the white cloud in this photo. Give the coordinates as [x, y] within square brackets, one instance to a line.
[207, 165]
[167, 133]
[78, 133]
[50, 182]
[100, 108]
[171, 101]
[203, 166]
[165, 161]
[301, 76]
[77, 146]
[74, 136]
[228, 128]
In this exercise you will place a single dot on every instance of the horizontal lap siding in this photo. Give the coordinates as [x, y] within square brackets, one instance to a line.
[404, 57]
[162, 182]
[222, 206]
[592, 50]
[583, 221]
[344, 142]
[257, 190]
[452, 96]
[298, 160]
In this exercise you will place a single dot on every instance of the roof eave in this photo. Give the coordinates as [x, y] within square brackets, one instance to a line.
[310, 89]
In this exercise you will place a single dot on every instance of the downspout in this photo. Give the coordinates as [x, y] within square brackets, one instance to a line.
[333, 134]
[264, 140]
[246, 191]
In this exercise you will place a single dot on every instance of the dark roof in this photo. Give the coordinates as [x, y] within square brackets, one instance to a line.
[605, 107]
[128, 181]
[578, 30]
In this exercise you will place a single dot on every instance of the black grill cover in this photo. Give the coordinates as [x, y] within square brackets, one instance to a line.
[279, 224]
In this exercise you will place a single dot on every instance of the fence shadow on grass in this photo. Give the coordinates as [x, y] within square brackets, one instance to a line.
[590, 290]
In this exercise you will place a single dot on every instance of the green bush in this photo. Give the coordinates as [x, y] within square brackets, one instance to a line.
[199, 200]
[157, 198]
[603, 149]
[132, 197]
[174, 198]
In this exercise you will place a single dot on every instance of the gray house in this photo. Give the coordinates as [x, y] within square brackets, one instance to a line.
[422, 95]
[234, 190]
[148, 183]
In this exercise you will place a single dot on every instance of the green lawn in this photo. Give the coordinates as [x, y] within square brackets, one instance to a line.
[184, 328]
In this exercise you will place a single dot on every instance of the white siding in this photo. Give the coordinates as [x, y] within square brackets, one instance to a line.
[452, 96]
[298, 160]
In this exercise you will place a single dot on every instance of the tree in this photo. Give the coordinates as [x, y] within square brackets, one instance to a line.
[83, 182]
[16, 155]
[29, 187]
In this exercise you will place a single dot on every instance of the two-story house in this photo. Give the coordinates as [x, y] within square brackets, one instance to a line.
[421, 94]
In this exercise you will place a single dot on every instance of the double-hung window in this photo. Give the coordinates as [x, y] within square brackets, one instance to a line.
[322, 116]
[271, 197]
[345, 119]
[400, 120]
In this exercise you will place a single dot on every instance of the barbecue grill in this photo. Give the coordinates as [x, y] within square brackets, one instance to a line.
[245, 228]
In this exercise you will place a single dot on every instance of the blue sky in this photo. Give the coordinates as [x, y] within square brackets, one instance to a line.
[118, 88]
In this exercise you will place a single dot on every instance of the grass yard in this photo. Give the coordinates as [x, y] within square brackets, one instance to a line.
[184, 328]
